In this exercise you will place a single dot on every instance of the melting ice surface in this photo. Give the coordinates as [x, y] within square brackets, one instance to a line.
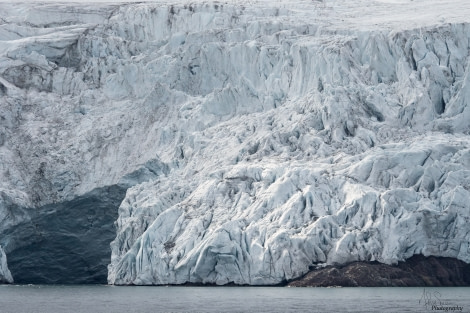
[238, 142]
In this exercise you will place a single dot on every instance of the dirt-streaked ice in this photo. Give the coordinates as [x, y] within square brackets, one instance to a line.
[256, 140]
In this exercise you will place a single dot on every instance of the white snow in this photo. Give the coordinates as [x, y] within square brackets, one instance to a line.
[256, 139]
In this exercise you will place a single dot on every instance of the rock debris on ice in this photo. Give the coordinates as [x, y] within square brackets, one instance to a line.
[253, 140]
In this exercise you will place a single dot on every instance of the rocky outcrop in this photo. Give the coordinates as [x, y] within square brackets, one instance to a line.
[416, 271]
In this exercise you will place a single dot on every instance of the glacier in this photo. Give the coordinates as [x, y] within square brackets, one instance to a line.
[230, 142]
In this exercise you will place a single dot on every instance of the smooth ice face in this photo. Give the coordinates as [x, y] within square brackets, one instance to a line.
[249, 142]
[65, 243]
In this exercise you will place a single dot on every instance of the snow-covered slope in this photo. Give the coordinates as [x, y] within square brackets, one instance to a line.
[242, 142]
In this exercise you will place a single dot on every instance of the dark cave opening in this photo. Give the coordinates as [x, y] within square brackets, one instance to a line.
[69, 242]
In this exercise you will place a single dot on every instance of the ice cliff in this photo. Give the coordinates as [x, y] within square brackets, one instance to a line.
[230, 142]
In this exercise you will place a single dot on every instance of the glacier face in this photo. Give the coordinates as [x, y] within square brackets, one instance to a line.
[243, 143]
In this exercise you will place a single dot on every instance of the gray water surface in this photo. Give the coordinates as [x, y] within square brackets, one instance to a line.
[102, 298]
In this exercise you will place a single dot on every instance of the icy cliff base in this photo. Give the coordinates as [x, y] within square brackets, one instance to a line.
[5, 275]
[245, 143]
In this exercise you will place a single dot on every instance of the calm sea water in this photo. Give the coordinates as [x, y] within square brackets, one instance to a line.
[96, 298]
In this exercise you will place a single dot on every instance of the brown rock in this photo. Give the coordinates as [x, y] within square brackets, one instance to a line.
[416, 271]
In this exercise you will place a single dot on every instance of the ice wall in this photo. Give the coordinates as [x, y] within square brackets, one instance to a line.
[5, 275]
[316, 147]
[249, 142]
